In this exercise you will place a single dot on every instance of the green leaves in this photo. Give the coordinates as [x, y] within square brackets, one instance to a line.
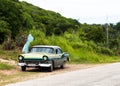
[11, 13]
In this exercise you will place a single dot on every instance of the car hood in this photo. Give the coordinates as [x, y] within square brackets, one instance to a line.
[35, 55]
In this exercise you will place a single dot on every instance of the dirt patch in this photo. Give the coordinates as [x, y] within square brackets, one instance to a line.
[9, 72]
[11, 62]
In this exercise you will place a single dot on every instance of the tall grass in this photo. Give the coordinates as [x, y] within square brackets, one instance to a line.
[9, 55]
[86, 56]
[81, 51]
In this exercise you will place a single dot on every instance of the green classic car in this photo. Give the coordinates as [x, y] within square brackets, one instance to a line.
[43, 56]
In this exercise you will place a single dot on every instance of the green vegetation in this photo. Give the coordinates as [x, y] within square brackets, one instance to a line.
[4, 66]
[9, 55]
[85, 43]
[80, 51]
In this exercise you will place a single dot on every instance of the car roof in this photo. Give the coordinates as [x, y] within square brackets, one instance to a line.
[51, 46]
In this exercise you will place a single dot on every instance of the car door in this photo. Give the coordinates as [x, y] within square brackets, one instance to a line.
[59, 54]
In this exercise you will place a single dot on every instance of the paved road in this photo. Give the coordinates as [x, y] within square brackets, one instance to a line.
[107, 75]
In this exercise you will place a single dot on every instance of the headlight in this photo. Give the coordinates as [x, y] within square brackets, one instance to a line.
[45, 58]
[20, 58]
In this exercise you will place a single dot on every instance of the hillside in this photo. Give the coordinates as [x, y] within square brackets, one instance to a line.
[18, 16]
[85, 43]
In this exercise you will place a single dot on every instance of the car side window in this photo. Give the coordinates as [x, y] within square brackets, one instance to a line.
[58, 51]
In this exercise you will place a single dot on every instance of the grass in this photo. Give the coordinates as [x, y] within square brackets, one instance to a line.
[85, 56]
[4, 66]
[9, 55]
[15, 77]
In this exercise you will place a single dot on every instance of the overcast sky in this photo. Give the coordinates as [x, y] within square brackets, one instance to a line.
[86, 11]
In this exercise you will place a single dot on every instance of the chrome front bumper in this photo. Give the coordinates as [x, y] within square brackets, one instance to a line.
[40, 64]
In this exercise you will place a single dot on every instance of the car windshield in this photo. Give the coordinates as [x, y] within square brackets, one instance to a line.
[42, 49]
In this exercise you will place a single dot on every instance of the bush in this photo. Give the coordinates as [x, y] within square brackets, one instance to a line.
[21, 39]
[78, 45]
[106, 51]
[4, 34]
[80, 51]
[8, 45]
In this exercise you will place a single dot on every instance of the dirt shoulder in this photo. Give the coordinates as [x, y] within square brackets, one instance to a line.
[16, 75]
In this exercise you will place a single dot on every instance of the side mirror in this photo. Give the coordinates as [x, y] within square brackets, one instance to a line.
[65, 55]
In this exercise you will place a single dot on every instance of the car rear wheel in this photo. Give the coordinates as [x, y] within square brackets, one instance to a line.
[23, 68]
[62, 66]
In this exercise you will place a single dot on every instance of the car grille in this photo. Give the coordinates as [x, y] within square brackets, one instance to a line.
[34, 62]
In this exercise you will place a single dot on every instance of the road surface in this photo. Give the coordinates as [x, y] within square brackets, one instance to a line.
[106, 75]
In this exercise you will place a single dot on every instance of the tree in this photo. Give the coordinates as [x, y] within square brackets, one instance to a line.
[94, 33]
[10, 11]
[4, 31]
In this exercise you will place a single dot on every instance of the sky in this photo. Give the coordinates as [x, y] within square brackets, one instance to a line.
[85, 11]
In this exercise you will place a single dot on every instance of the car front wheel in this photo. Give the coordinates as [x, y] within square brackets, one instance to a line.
[50, 69]
[23, 68]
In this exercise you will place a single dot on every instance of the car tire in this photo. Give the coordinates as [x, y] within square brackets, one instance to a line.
[62, 66]
[23, 68]
[50, 69]
[68, 59]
